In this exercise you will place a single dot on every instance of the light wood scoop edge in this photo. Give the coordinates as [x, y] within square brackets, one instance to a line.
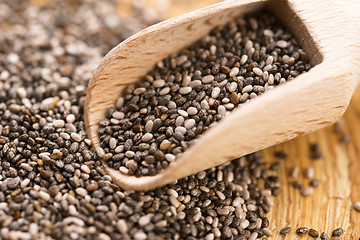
[311, 101]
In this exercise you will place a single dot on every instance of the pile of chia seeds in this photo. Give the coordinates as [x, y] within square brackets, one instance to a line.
[52, 185]
[160, 116]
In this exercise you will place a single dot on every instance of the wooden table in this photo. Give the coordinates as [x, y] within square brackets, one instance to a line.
[330, 206]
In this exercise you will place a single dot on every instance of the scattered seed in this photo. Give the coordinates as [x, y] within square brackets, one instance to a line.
[285, 230]
[309, 172]
[307, 191]
[337, 232]
[281, 155]
[302, 230]
[314, 183]
[313, 233]
[324, 236]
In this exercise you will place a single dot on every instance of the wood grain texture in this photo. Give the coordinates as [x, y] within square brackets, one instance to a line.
[312, 101]
[330, 206]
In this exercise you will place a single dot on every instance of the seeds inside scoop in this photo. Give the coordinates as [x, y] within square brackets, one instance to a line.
[162, 115]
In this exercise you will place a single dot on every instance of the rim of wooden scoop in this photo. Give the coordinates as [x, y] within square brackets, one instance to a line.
[311, 101]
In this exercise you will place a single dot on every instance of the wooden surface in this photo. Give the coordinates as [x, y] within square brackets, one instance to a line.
[330, 206]
[313, 100]
[339, 171]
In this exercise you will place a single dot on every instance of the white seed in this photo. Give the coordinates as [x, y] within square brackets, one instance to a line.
[222, 110]
[225, 100]
[267, 68]
[307, 191]
[195, 83]
[243, 59]
[223, 211]
[26, 166]
[237, 201]
[216, 232]
[76, 137]
[172, 192]
[257, 71]
[204, 104]
[172, 105]
[268, 201]
[139, 91]
[24, 183]
[210, 236]
[112, 143]
[253, 236]
[248, 45]
[233, 86]
[309, 172]
[100, 152]
[144, 220]
[124, 170]
[212, 49]
[269, 60]
[59, 123]
[186, 80]
[192, 110]
[190, 123]
[357, 206]
[149, 126]
[161, 224]
[253, 95]
[122, 226]
[267, 232]
[179, 121]
[170, 157]
[215, 92]
[118, 115]
[140, 236]
[81, 191]
[247, 89]
[114, 121]
[183, 113]
[119, 149]
[271, 79]
[159, 83]
[234, 71]
[244, 224]
[70, 118]
[181, 59]
[165, 144]
[85, 169]
[207, 79]
[119, 102]
[129, 154]
[282, 44]
[181, 130]
[265, 76]
[251, 207]
[294, 171]
[269, 33]
[174, 201]
[44, 196]
[220, 195]
[229, 106]
[185, 90]
[164, 91]
[21, 92]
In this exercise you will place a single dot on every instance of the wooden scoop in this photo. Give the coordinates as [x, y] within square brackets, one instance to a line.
[327, 31]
